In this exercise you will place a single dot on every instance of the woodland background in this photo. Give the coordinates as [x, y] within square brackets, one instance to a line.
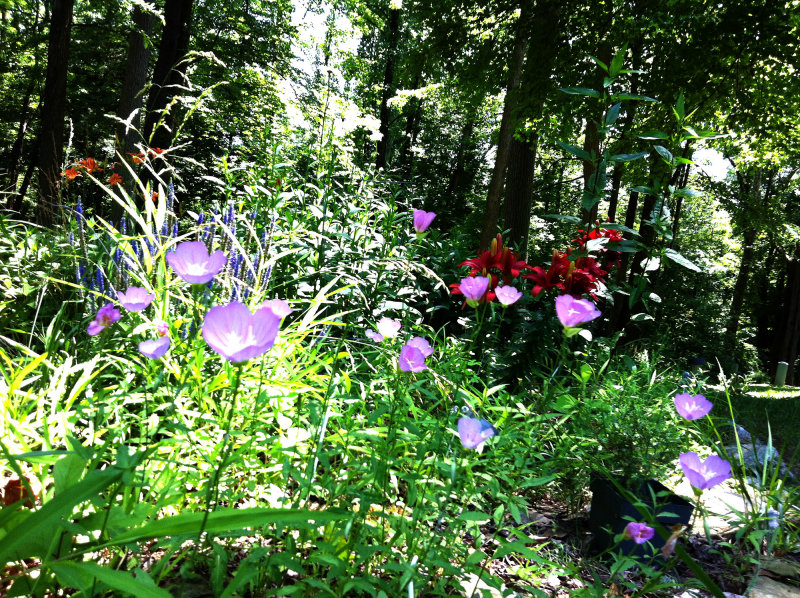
[457, 107]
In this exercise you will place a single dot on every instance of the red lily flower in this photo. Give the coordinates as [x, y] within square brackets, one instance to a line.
[115, 179]
[71, 173]
[90, 164]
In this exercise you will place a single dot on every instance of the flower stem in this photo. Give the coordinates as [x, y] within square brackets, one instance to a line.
[213, 487]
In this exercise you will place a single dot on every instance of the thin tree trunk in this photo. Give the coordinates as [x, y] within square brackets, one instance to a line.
[740, 288]
[168, 72]
[131, 94]
[492, 213]
[51, 136]
[393, 26]
[790, 326]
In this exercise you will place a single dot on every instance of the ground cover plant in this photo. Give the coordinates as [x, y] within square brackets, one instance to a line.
[294, 319]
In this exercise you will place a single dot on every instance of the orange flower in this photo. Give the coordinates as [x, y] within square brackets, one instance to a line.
[90, 164]
[137, 158]
[70, 173]
[156, 151]
[115, 178]
[154, 196]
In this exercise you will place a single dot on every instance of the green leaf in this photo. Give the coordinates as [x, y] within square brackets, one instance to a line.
[67, 472]
[475, 558]
[679, 259]
[580, 91]
[540, 481]
[679, 109]
[643, 189]
[653, 135]
[633, 96]
[575, 151]
[619, 227]
[616, 63]
[133, 583]
[474, 516]
[641, 317]
[588, 201]
[600, 63]
[627, 246]
[46, 520]
[627, 157]
[224, 520]
[613, 114]
[664, 153]
[686, 192]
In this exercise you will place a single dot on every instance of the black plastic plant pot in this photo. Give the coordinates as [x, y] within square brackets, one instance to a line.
[609, 509]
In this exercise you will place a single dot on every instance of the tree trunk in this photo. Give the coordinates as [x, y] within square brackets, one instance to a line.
[131, 94]
[519, 187]
[54, 96]
[740, 288]
[169, 71]
[393, 26]
[537, 81]
[504, 137]
[790, 320]
[17, 150]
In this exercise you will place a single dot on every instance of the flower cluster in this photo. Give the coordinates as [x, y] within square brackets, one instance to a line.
[494, 268]
[574, 272]
[701, 473]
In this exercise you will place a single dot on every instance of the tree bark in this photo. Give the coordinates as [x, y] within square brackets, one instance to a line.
[790, 321]
[169, 71]
[393, 26]
[132, 94]
[51, 135]
[492, 213]
[537, 82]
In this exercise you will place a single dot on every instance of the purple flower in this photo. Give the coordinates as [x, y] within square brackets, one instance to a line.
[135, 299]
[154, 349]
[412, 359]
[474, 432]
[238, 335]
[106, 316]
[388, 328]
[191, 262]
[374, 336]
[474, 288]
[574, 312]
[638, 532]
[704, 474]
[692, 407]
[507, 295]
[421, 344]
[422, 220]
[279, 307]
